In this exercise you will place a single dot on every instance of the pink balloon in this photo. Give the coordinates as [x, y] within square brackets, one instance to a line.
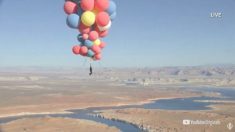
[102, 5]
[87, 5]
[70, 7]
[85, 36]
[83, 50]
[102, 45]
[84, 29]
[102, 34]
[97, 57]
[93, 35]
[102, 19]
[96, 49]
[76, 49]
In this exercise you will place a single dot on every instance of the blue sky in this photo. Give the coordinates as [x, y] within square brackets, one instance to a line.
[146, 33]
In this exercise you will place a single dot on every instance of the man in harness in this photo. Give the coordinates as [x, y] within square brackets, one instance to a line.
[90, 70]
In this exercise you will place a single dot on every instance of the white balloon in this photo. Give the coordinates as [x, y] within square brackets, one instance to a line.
[105, 27]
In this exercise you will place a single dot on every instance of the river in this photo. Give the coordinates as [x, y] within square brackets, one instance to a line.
[165, 104]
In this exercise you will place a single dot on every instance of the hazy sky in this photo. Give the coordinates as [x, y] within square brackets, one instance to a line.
[145, 33]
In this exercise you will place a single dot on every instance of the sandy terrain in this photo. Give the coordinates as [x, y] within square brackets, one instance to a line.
[56, 92]
[172, 121]
[55, 125]
[44, 91]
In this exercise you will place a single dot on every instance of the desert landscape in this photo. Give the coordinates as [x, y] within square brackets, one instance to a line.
[44, 92]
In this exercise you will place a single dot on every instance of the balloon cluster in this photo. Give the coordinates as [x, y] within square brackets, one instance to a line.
[93, 19]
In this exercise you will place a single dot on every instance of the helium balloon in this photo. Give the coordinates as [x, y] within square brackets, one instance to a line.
[83, 50]
[93, 19]
[102, 5]
[88, 18]
[103, 33]
[88, 43]
[112, 7]
[97, 57]
[97, 42]
[93, 35]
[102, 19]
[76, 49]
[85, 36]
[90, 53]
[102, 45]
[80, 38]
[113, 16]
[87, 5]
[96, 49]
[70, 7]
[84, 29]
[73, 20]
[105, 27]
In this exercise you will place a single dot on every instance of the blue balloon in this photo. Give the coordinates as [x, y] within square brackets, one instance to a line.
[80, 39]
[90, 53]
[73, 20]
[112, 7]
[113, 16]
[88, 43]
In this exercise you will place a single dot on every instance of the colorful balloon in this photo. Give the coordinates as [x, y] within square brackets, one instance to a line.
[113, 16]
[85, 36]
[102, 19]
[97, 42]
[90, 53]
[102, 5]
[102, 45]
[97, 57]
[80, 39]
[93, 35]
[105, 27]
[88, 43]
[93, 19]
[83, 50]
[76, 49]
[103, 34]
[112, 7]
[70, 7]
[96, 49]
[73, 20]
[84, 29]
[88, 18]
[87, 5]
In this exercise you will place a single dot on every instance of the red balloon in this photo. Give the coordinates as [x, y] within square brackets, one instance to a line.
[102, 5]
[93, 35]
[101, 33]
[97, 57]
[102, 45]
[85, 36]
[70, 7]
[83, 50]
[102, 19]
[76, 49]
[84, 29]
[96, 49]
[87, 5]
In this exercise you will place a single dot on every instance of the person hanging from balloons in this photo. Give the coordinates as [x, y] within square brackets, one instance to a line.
[92, 19]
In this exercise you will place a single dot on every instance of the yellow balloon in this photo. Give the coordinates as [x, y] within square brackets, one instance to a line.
[97, 42]
[88, 18]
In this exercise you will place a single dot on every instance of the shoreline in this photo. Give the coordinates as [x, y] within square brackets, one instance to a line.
[67, 111]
